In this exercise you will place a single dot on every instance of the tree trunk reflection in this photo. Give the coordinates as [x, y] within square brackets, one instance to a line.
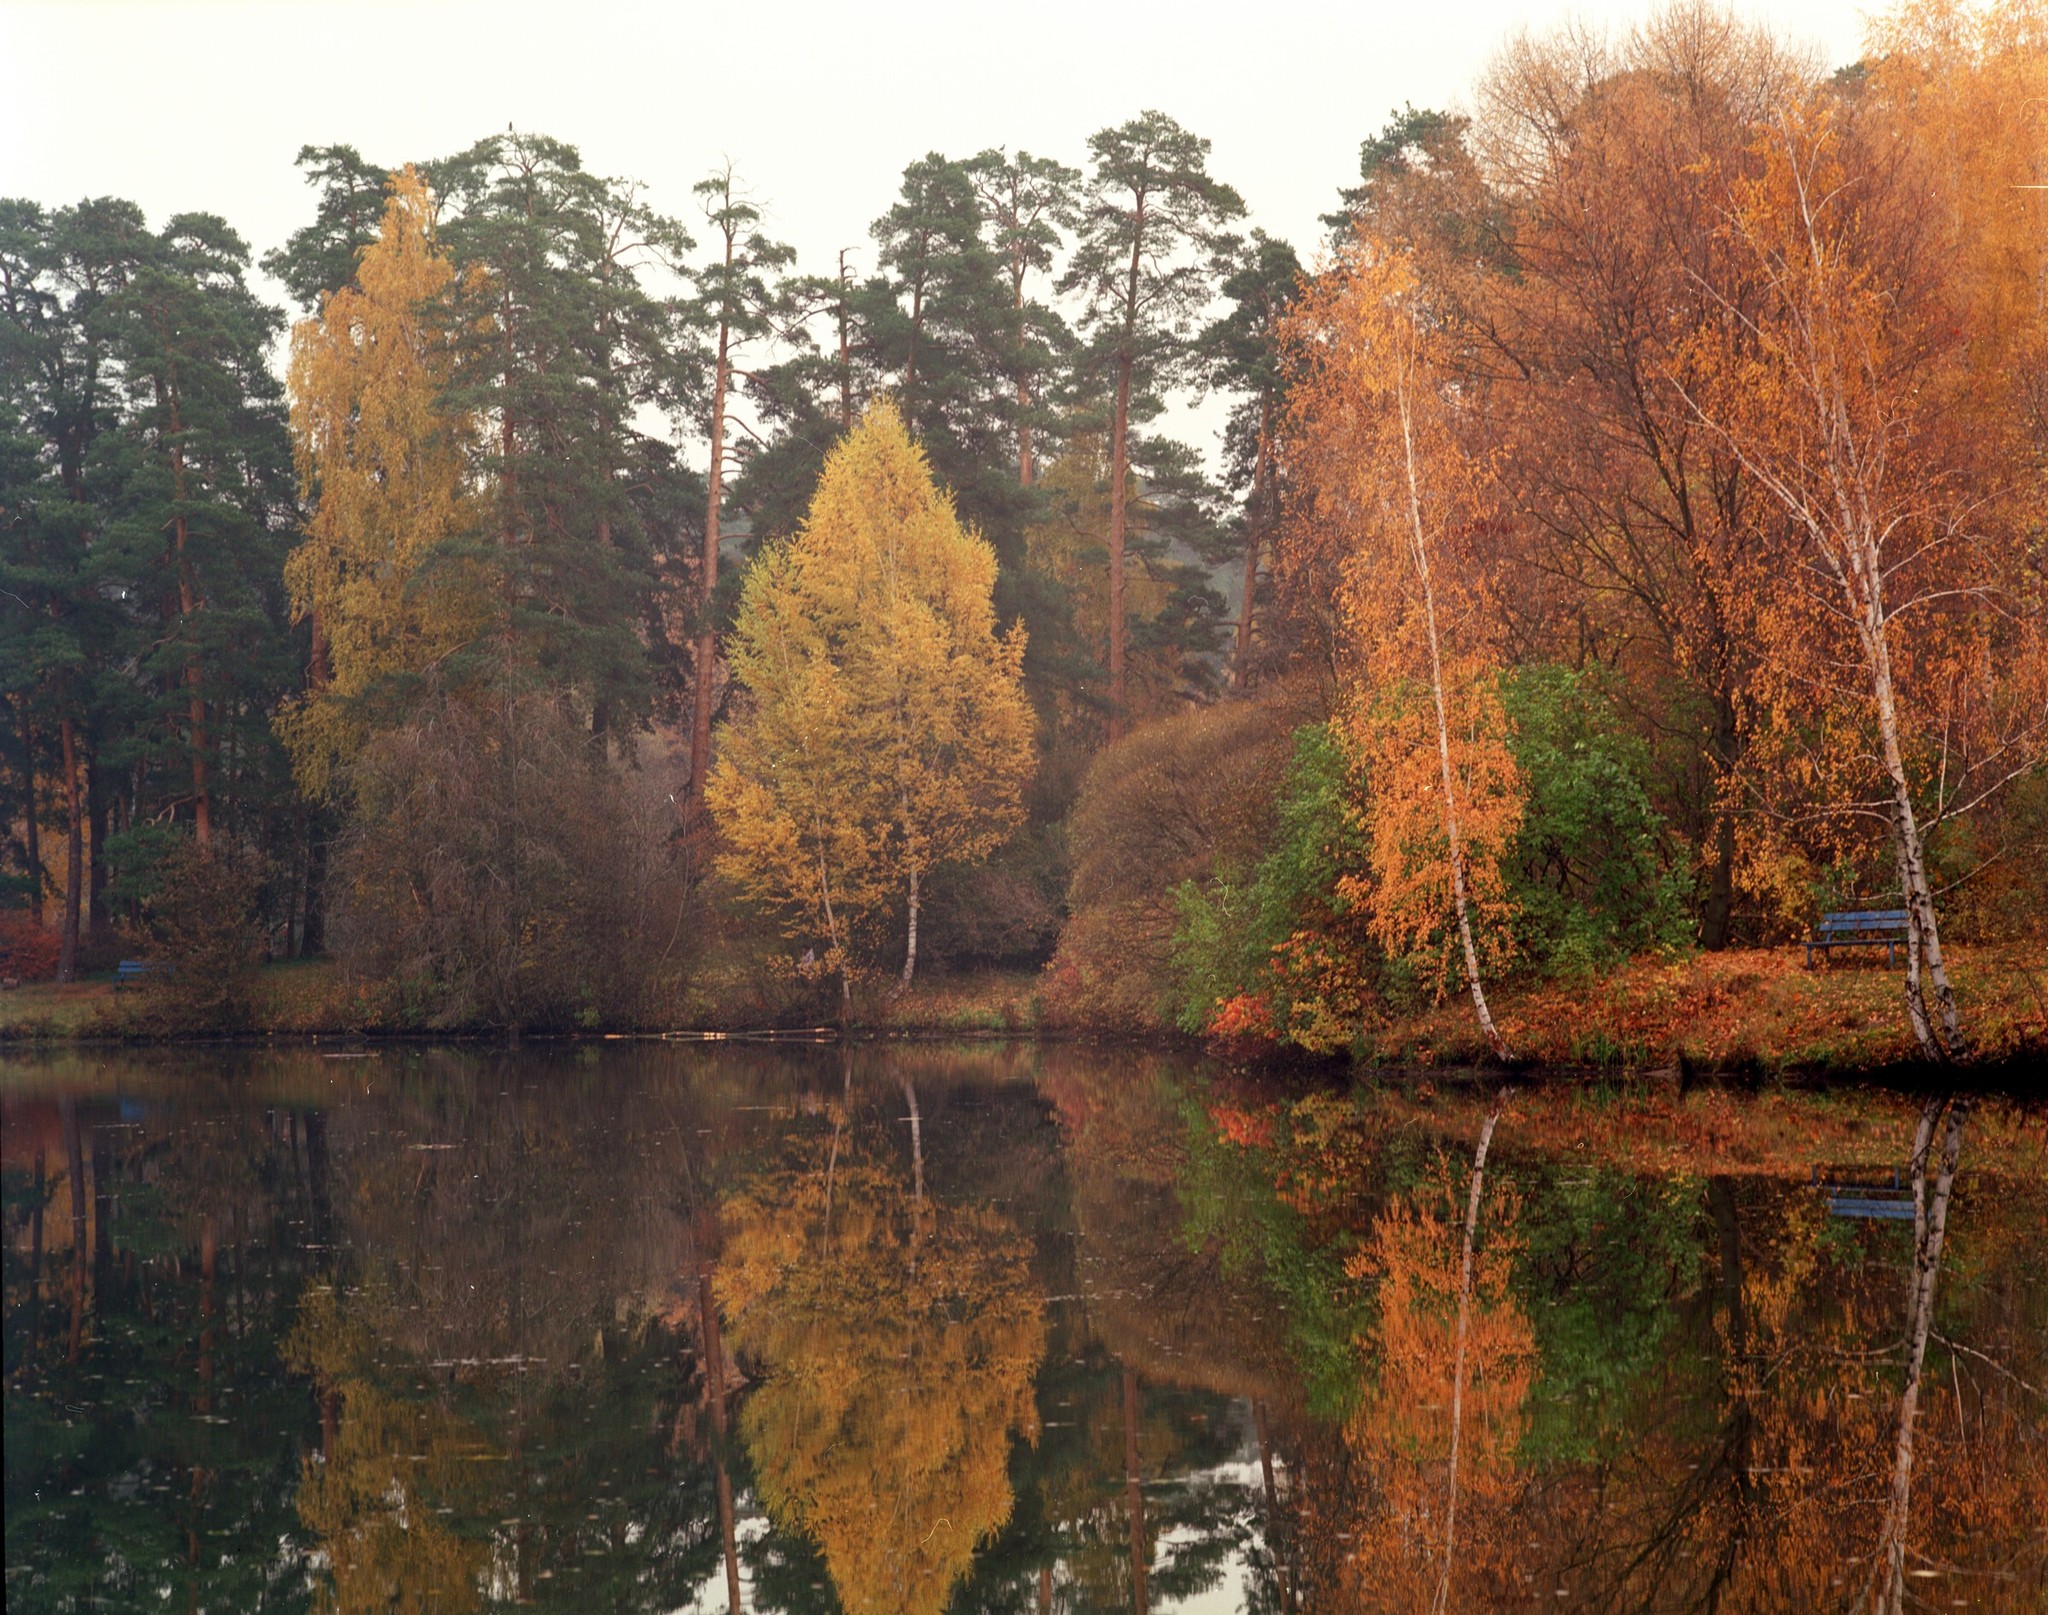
[1134, 1496]
[1930, 1229]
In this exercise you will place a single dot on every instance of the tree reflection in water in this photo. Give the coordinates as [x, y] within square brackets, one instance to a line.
[898, 1339]
[1796, 1495]
[1006, 1330]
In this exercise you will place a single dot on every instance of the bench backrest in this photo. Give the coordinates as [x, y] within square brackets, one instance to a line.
[1891, 919]
[128, 969]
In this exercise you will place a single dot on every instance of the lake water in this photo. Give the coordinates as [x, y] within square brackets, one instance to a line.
[1001, 1328]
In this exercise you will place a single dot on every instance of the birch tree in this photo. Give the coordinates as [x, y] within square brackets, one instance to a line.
[1376, 457]
[383, 469]
[888, 731]
[1904, 678]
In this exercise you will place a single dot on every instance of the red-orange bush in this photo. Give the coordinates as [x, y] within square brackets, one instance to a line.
[28, 951]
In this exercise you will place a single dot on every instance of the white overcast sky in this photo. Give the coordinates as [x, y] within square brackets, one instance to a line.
[202, 104]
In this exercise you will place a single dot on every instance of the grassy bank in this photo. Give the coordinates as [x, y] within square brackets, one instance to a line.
[310, 998]
[1756, 1009]
[1747, 1009]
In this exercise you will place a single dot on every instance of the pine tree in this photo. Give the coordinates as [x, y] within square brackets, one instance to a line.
[1144, 265]
[149, 503]
[1026, 202]
[1245, 357]
[321, 257]
[735, 305]
[560, 344]
[205, 498]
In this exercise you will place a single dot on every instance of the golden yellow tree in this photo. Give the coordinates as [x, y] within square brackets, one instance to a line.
[899, 1341]
[372, 1496]
[888, 730]
[1375, 457]
[383, 468]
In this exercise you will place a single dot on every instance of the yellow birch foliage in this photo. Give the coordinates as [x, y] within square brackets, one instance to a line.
[900, 1341]
[374, 1501]
[887, 729]
[1359, 344]
[1905, 676]
[383, 469]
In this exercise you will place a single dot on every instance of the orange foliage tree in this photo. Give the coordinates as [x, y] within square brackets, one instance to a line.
[1609, 161]
[1373, 442]
[1902, 674]
[1455, 1358]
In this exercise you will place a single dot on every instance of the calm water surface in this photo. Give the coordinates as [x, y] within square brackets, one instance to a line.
[649, 1327]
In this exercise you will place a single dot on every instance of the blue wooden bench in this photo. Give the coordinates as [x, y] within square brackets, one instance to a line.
[130, 973]
[1875, 1202]
[1860, 929]
[1872, 1201]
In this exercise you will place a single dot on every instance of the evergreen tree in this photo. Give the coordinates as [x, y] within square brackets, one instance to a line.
[1245, 357]
[940, 327]
[320, 257]
[148, 506]
[1144, 263]
[56, 272]
[560, 346]
[203, 506]
[736, 304]
[1026, 201]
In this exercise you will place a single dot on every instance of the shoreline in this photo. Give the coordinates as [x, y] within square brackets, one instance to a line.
[1738, 1017]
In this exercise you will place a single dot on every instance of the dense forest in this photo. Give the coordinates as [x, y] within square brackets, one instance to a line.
[1627, 540]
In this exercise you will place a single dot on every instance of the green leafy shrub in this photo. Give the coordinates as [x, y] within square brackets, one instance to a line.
[1592, 877]
[1291, 932]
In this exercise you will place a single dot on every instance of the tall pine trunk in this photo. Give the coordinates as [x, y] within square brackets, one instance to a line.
[845, 354]
[32, 833]
[704, 666]
[74, 849]
[190, 601]
[1119, 503]
[99, 924]
[74, 1151]
[714, 1374]
[35, 1263]
[1024, 466]
[1119, 477]
[1256, 515]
